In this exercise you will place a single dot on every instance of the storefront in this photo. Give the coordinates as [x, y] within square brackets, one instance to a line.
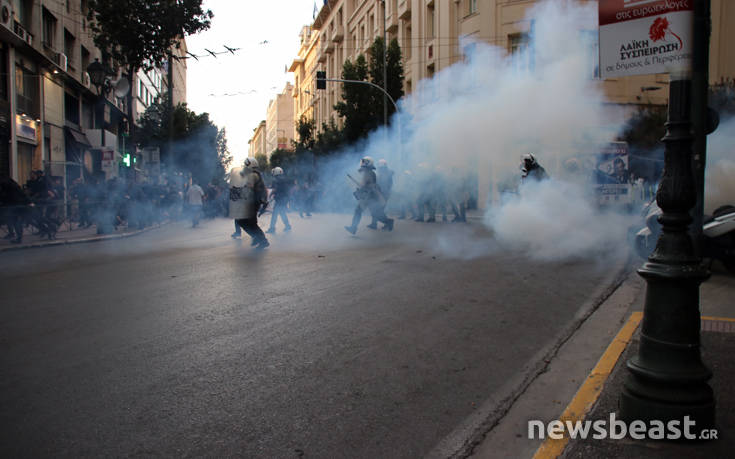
[26, 133]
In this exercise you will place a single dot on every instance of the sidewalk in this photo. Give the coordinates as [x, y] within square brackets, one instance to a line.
[584, 380]
[72, 235]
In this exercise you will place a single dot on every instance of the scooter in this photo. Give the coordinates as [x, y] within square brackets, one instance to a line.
[718, 234]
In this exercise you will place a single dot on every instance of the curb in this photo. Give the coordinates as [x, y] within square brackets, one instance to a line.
[591, 388]
[106, 237]
[470, 433]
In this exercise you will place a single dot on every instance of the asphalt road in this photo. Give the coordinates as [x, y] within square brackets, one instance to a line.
[183, 342]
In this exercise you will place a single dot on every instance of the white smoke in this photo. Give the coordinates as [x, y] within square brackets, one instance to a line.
[485, 112]
[720, 169]
[553, 220]
[493, 107]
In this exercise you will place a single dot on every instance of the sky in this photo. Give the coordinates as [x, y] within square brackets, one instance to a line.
[267, 33]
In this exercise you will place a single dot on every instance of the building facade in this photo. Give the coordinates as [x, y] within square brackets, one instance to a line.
[430, 34]
[257, 144]
[279, 122]
[52, 116]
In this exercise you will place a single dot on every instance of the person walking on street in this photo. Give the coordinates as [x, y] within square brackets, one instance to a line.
[194, 197]
[13, 208]
[369, 197]
[281, 191]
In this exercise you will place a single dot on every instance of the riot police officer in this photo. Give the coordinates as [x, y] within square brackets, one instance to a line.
[368, 196]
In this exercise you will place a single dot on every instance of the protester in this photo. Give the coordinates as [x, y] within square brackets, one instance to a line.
[194, 198]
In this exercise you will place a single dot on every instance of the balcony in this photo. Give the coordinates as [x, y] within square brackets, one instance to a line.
[338, 33]
[18, 34]
[404, 9]
[391, 22]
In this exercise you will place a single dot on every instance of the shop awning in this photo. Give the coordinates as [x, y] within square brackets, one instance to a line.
[79, 137]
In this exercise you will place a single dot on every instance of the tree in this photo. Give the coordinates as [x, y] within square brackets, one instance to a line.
[357, 106]
[262, 159]
[329, 139]
[281, 158]
[138, 34]
[305, 129]
[645, 128]
[394, 65]
[361, 105]
[198, 147]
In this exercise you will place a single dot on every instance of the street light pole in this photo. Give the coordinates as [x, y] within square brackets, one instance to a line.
[385, 94]
[667, 379]
[385, 71]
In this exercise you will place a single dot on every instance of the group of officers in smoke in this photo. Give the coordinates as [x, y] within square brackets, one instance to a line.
[419, 195]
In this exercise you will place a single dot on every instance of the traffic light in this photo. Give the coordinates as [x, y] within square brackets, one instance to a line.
[321, 80]
[126, 159]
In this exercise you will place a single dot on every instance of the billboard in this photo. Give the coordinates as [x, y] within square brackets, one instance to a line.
[612, 175]
[639, 37]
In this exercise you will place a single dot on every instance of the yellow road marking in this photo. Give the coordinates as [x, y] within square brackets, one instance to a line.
[723, 319]
[591, 388]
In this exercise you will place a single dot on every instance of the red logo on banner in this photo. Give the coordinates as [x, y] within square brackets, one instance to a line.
[659, 28]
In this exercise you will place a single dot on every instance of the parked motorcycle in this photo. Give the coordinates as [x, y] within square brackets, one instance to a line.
[718, 234]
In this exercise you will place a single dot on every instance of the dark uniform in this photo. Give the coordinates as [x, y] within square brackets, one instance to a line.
[369, 197]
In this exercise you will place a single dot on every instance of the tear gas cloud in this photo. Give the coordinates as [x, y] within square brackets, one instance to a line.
[480, 115]
[720, 169]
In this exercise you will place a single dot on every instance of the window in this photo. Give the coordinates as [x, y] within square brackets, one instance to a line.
[49, 29]
[85, 59]
[69, 46]
[430, 21]
[26, 91]
[24, 12]
[71, 108]
[471, 7]
[407, 42]
[518, 46]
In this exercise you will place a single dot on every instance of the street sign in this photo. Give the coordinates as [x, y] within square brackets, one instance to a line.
[640, 37]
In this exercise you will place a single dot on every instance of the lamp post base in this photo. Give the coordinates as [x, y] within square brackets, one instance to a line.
[667, 379]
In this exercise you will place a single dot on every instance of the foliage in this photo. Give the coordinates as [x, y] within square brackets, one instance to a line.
[357, 104]
[645, 128]
[198, 146]
[394, 74]
[281, 158]
[329, 139]
[361, 105]
[262, 159]
[305, 129]
[139, 33]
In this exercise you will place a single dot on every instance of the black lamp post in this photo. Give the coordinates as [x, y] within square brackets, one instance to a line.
[667, 380]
